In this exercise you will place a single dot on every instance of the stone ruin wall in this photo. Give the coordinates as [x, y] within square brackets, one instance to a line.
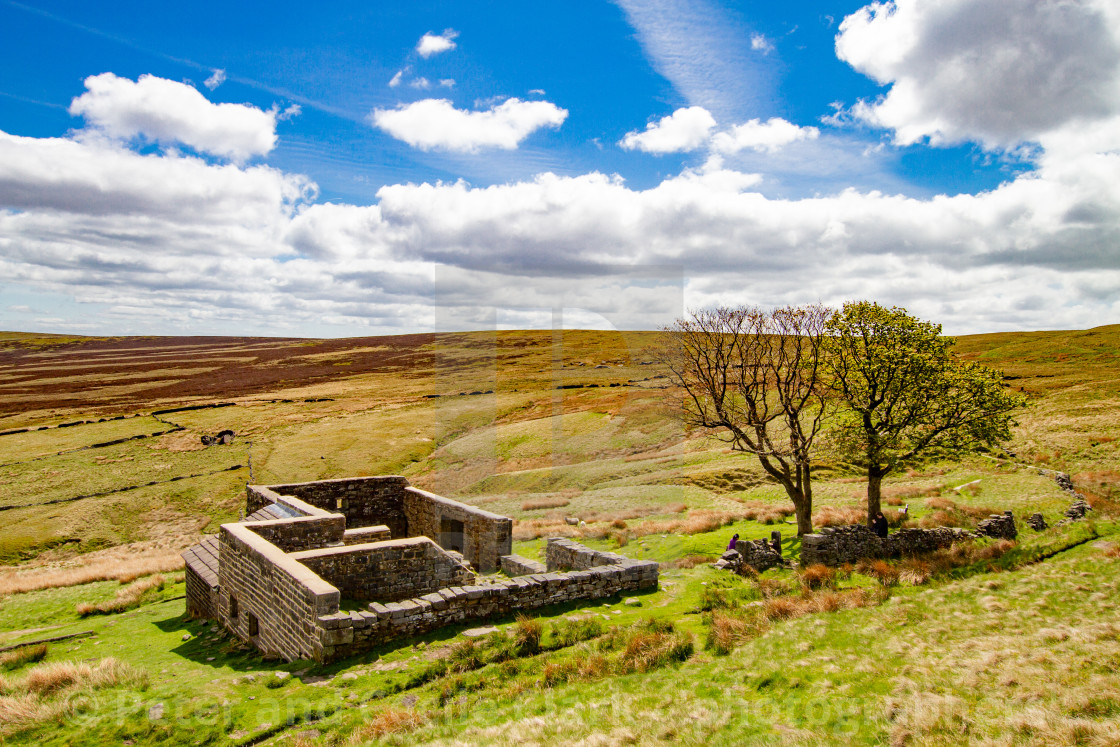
[364, 501]
[851, 544]
[387, 571]
[404, 510]
[486, 537]
[347, 633]
[268, 598]
[280, 582]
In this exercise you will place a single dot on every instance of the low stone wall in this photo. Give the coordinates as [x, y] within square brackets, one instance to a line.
[268, 598]
[345, 634]
[759, 554]
[838, 545]
[485, 537]
[515, 565]
[305, 533]
[387, 571]
[365, 535]
[1000, 527]
[562, 554]
[364, 501]
[260, 496]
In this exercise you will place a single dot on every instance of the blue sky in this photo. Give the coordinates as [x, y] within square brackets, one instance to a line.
[375, 168]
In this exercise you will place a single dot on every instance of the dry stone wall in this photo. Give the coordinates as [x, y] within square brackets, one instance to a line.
[515, 565]
[268, 598]
[344, 634]
[838, 545]
[364, 501]
[387, 571]
[303, 533]
[484, 537]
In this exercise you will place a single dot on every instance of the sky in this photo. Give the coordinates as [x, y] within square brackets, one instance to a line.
[370, 168]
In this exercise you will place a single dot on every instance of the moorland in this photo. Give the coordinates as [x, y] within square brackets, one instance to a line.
[104, 479]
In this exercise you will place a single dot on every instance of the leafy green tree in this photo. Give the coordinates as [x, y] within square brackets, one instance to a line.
[905, 396]
[752, 378]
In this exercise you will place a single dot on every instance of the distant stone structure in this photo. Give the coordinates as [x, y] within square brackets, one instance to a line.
[406, 556]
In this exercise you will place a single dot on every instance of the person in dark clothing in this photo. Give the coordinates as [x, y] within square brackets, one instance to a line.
[879, 524]
[731, 545]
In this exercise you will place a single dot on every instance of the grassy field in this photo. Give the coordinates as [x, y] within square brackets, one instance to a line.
[541, 428]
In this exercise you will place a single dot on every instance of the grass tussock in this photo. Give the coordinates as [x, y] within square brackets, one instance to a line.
[537, 504]
[387, 723]
[837, 516]
[948, 513]
[734, 624]
[818, 576]
[108, 569]
[689, 561]
[43, 694]
[127, 598]
[22, 656]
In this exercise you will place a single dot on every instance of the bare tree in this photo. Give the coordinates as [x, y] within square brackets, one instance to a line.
[752, 377]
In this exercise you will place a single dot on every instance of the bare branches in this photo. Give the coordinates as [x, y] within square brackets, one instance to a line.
[753, 378]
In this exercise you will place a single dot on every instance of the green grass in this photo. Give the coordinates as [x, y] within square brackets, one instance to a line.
[968, 658]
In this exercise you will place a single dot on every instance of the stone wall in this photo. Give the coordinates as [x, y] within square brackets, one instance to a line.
[563, 554]
[387, 571]
[515, 565]
[364, 501]
[304, 533]
[261, 496]
[365, 535]
[202, 598]
[269, 598]
[348, 633]
[850, 544]
[485, 537]
[1000, 527]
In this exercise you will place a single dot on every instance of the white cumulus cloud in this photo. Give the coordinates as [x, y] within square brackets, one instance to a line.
[998, 72]
[436, 124]
[768, 136]
[431, 44]
[168, 112]
[683, 130]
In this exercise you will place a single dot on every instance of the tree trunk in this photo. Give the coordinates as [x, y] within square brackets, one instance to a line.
[803, 511]
[874, 488]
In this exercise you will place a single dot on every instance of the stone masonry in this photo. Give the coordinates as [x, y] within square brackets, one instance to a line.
[838, 545]
[277, 578]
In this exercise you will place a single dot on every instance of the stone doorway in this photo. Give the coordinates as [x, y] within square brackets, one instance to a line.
[451, 534]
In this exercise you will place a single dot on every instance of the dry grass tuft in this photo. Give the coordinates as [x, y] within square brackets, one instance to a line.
[818, 576]
[387, 722]
[689, 561]
[836, 516]
[728, 629]
[536, 504]
[105, 569]
[882, 571]
[23, 655]
[49, 678]
[1112, 551]
[125, 599]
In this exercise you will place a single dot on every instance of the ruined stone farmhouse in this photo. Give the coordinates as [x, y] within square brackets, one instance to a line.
[323, 570]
